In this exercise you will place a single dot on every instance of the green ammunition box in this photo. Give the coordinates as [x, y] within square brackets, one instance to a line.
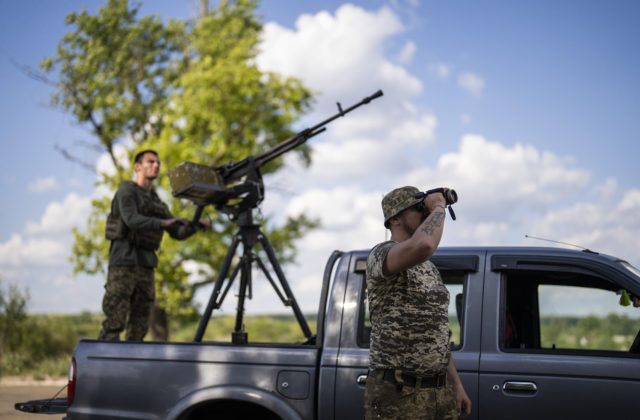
[195, 182]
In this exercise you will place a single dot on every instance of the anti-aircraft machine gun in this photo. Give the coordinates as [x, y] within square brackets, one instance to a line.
[236, 188]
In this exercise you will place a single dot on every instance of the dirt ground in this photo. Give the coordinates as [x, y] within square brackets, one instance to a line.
[13, 390]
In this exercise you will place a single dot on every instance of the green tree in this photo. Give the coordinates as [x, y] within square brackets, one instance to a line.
[13, 316]
[192, 91]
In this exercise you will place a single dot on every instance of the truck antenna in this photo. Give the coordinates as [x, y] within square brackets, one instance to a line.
[560, 242]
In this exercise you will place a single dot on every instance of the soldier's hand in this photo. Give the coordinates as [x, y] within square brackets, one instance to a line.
[168, 222]
[205, 224]
[432, 201]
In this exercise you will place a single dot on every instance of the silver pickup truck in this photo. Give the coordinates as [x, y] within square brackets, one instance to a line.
[537, 333]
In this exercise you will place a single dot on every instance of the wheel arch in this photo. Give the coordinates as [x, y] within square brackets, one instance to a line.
[233, 394]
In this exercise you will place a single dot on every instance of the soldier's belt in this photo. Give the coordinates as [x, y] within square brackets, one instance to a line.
[402, 379]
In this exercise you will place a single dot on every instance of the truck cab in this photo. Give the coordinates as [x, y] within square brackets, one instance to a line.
[510, 311]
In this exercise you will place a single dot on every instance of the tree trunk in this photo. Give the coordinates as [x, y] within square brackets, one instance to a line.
[159, 324]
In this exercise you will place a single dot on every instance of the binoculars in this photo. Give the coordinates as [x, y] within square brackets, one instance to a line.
[450, 196]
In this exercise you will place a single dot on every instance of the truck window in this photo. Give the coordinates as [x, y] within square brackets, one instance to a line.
[454, 281]
[565, 312]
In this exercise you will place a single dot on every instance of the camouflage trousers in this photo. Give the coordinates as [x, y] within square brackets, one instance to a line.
[127, 302]
[383, 400]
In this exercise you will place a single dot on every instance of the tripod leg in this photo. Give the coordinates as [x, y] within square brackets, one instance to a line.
[239, 336]
[216, 289]
[229, 284]
[273, 284]
[285, 286]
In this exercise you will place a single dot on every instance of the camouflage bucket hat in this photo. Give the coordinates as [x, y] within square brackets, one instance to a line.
[398, 200]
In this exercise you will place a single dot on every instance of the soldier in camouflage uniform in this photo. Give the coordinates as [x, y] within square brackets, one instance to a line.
[411, 371]
[135, 227]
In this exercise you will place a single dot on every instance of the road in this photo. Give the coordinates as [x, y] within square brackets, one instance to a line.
[12, 392]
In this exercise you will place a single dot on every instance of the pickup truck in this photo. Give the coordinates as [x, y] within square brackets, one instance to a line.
[535, 333]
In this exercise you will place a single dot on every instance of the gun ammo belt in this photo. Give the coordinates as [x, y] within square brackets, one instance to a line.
[402, 379]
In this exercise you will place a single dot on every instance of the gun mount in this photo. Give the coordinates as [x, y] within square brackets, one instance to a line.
[236, 188]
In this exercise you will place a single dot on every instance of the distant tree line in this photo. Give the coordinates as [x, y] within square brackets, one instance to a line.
[42, 344]
[39, 343]
[610, 332]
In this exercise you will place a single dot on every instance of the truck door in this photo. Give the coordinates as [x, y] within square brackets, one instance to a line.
[462, 277]
[556, 342]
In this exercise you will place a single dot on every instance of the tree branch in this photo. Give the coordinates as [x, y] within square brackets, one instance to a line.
[29, 72]
[74, 159]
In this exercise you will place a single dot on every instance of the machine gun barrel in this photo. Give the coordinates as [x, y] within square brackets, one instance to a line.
[220, 185]
[234, 171]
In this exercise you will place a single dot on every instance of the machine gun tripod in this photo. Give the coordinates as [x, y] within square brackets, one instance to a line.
[249, 234]
[236, 188]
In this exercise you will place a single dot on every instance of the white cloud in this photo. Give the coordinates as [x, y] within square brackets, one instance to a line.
[338, 53]
[493, 175]
[629, 204]
[472, 83]
[59, 217]
[602, 224]
[43, 185]
[343, 56]
[197, 271]
[20, 251]
[418, 131]
[350, 154]
[47, 242]
[407, 52]
[440, 70]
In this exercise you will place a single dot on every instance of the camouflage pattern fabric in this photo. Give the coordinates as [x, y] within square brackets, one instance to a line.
[127, 302]
[409, 317]
[397, 200]
[384, 401]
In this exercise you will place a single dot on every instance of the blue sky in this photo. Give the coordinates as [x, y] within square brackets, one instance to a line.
[528, 109]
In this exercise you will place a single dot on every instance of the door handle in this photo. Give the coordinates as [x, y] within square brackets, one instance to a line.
[362, 380]
[515, 386]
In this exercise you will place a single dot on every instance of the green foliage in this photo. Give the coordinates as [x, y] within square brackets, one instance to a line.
[259, 328]
[38, 343]
[190, 90]
[454, 326]
[13, 317]
[612, 332]
[114, 69]
[89, 251]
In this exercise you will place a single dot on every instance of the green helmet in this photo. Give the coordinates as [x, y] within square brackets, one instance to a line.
[398, 200]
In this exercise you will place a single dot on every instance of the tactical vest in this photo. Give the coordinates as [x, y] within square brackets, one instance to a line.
[148, 205]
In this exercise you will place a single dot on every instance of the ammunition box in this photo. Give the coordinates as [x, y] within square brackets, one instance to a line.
[195, 182]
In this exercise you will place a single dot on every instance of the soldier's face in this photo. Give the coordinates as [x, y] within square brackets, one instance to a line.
[148, 167]
[411, 219]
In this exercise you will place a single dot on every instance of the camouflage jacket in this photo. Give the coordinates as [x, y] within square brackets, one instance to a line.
[138, 212]
[409, 317]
